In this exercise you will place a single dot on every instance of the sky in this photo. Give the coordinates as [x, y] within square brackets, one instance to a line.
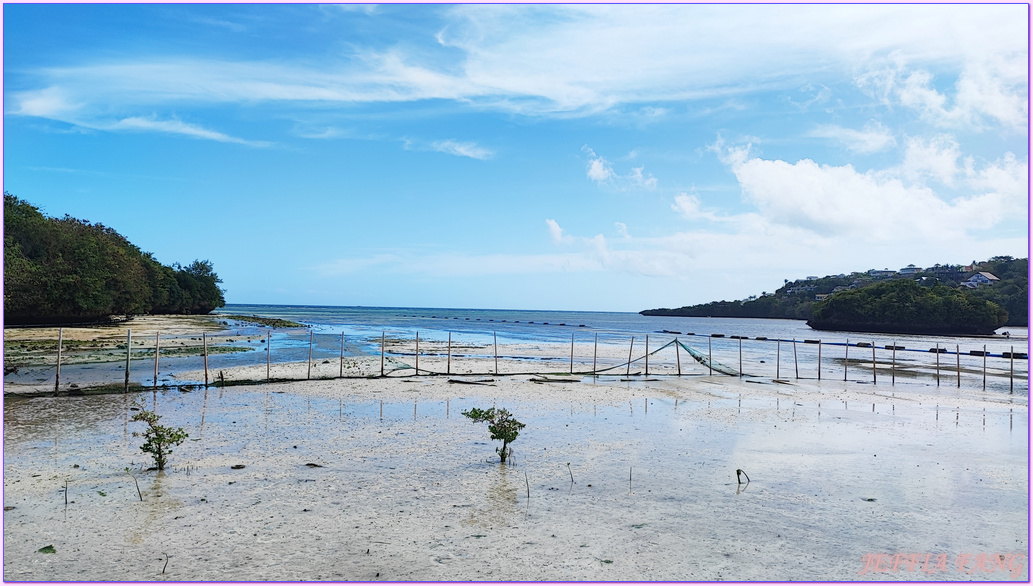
[575, 157]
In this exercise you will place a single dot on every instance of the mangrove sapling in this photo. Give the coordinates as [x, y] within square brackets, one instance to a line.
[501, 425]
[158, 439]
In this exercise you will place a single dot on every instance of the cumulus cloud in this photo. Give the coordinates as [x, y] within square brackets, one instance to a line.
[556, 232]
[936, 158]
[601, 171]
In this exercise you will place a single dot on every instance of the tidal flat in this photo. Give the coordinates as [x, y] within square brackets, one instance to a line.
[384, 479]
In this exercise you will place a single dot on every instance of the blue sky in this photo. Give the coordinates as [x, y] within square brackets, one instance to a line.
[595, 157]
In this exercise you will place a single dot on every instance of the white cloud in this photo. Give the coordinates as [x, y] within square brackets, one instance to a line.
[601, 171]
[873, 138]
[936, 158]
[622, 230]
[139, 124]
[556, 232]
[462, 149]
[642, 179]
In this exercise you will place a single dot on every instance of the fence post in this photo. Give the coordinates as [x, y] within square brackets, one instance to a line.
[495, 337]
[740, 356]
[157, 350]
[129, 351]
[1011, 370]
[204, 350]
[938, 364]
[677, 354]
[957, 355]
[628, 373]
[448, 365]
[875, 380]
[595, 354]
[893, 365]
[778, 359]
[268, 354]
[796, 362]
[381, 353]
[819, 359]
[984, 367]
[342, 356]
[647, 355]
[846, 358]
[710, 355]
[572, 354]
[311, 337]
[57, 374]
[417, 352]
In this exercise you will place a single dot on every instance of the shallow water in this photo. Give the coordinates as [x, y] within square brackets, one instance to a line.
[411, 490]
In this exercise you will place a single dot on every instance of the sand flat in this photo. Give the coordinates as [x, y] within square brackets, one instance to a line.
[408, 489]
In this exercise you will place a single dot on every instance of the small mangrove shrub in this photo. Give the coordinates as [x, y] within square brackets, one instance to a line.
[501, 425]
[158, 439]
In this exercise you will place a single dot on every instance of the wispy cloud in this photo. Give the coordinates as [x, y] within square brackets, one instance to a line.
[462, 149]
[601, 171]
[873, 138]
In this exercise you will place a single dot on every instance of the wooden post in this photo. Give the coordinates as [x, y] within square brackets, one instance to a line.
[57, 374]
[796, 362]
[1011, 370]
[572, 354]
[157, 350]
[129, 351]
[957, 354]
[495, 337]
[875, 380]
[984, 367]
[381, 353]
[677, 356]
[204, 349]
[893, 365]
[628, 373]
[448, 367]
[595, 354]
[268, 354]
[819, 359]
[417, 352]
[342, 355]
[778, 359]
[740, 357]
[846, 358]
[311, 337]
[937, 364]
[647, 355]
[710, 355]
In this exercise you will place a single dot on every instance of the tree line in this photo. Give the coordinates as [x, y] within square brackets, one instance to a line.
[66, 270]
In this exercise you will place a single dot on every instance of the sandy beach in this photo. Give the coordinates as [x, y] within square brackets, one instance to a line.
[614, 478]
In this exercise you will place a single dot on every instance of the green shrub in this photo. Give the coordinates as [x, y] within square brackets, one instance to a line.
[501, 425]
[158, 439]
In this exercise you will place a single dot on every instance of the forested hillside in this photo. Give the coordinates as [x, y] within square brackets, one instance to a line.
[65, 270]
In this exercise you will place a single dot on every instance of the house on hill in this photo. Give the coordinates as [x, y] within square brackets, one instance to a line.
[910, 270]
[979, 279]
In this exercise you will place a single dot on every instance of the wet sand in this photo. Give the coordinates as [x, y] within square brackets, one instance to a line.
[405, 488]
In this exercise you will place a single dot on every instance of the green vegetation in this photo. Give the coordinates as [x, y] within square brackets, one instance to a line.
[158, 439]
[272, 322]
[501, 425]
[797, 299]
[902, 306]
[66, 270]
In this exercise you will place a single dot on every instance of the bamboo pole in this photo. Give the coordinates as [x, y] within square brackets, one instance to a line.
[740, 357]
[677, 356]
[778, 359]
[628, 373]
[984, 367]
[311, 338]
[846, 358]
[647, 355]
[572, 354]
[937, 364]
[381, 353]
[268, 354]
[819, 359]
[417, 352]
[57, 373]
[448, 367]
[595, 354]
[710, 355]
[957, 355]
[129, 351]
[1011, 370]
[893, 365]
[875, 380]
[342, 355]
[796, 361]
[157, 350]
[495, 337]
[204, 345]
